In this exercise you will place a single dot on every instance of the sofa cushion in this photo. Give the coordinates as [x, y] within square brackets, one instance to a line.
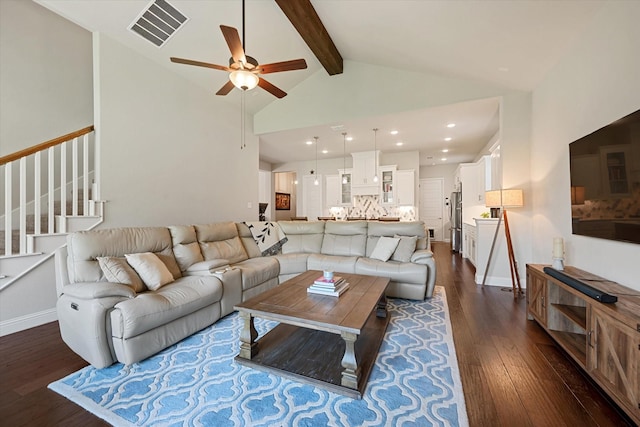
[385, 247]
[390, 229]
[151, 270]
[302, 236]
[221, 240]
[292, 263]
[406, 248]
[117, 270]
[249, 243]
[256, 271]
[83, 247]
[405, 272]
[344, 238]
[150, 310]
[185, 246]
[337, 263]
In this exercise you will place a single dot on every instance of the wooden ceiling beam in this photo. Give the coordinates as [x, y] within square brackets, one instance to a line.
[304, 18]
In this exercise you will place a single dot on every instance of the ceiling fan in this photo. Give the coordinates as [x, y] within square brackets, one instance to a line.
[244, 71]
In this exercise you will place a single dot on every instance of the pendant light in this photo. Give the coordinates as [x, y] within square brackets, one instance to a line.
[316, 182]
[344, 158]
[375, 144]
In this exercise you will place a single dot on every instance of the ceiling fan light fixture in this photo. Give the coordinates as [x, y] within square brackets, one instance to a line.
[242, 79]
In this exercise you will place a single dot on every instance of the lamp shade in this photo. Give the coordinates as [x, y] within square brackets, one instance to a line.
[243, 79]
[493, 199]
[577, 195]
[511, 198]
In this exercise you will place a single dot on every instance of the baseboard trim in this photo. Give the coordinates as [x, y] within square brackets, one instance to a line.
[26, 322]
[497, 281]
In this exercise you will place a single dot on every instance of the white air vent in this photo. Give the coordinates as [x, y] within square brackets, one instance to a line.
[158, 22]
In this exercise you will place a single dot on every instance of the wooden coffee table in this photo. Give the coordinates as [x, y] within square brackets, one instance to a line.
[327, 341]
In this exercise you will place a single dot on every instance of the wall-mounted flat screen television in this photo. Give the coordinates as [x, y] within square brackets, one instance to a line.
[605, 181]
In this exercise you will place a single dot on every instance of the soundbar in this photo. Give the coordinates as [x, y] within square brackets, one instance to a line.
[581, 286]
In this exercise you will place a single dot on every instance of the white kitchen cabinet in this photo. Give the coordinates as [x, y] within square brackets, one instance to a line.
[387, 176]
[469, 243]
[346, 195]
[365, 165]
[499, 273]
[405, 187]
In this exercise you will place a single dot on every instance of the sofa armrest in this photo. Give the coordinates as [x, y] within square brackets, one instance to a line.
[421, 256]
[205, 268]
[95, 290]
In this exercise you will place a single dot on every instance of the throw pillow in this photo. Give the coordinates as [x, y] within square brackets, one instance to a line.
[406, 248]
[384, 248]
[116, 270]
[152, 271]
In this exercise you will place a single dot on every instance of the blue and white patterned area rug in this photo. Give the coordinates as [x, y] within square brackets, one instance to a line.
[415, 381]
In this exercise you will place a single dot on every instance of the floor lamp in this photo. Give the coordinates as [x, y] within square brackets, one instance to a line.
[503, 199]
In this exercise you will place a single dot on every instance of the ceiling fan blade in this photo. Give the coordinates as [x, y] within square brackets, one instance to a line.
[273, 90]
[199, 64]
[226, 88]
[295, 64]
[233, 41]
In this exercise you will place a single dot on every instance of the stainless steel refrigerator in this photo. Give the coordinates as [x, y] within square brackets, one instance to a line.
[455, 219]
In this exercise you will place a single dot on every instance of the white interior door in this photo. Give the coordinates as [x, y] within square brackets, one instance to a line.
[432, 206]
[311, 197]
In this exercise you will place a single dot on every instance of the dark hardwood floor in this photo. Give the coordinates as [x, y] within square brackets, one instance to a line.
[512, 372]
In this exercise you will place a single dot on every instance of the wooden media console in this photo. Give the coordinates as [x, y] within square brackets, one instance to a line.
[604, 339]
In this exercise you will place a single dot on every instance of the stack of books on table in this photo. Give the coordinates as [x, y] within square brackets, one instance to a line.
[333, 287]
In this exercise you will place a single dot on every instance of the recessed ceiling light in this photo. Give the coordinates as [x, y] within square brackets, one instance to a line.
[394, 132]
[325, 151]
[448, 138]
[399, 143]
[445, 151]
[349, 138]
[451, 125]
[444, 159]
[309, 142]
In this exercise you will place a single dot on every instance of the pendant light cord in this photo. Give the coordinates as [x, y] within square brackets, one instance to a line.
[243, 143]
[316, 182]
[375, 147]
[344, 156]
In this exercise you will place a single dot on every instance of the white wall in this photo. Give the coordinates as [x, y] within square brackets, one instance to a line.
[595, 83]
[45, 76]
[447, 173]
[170, 150]
[45, 92]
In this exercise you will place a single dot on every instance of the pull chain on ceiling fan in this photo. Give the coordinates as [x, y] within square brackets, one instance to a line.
[244, 71]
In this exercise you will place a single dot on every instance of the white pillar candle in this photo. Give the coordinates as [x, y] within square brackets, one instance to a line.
[558, 247]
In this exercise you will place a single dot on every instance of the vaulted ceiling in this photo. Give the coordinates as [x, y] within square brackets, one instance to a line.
[508, 43]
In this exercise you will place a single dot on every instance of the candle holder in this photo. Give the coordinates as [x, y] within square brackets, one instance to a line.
[558, 263]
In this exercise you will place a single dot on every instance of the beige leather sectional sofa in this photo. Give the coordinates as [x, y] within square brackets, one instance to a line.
[184, 278]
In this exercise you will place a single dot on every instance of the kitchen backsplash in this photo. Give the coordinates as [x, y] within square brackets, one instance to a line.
[369, 207]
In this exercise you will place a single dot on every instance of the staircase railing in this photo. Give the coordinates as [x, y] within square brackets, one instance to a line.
[47, 166]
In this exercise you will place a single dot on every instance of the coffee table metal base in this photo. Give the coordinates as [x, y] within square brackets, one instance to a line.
[339, 363]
